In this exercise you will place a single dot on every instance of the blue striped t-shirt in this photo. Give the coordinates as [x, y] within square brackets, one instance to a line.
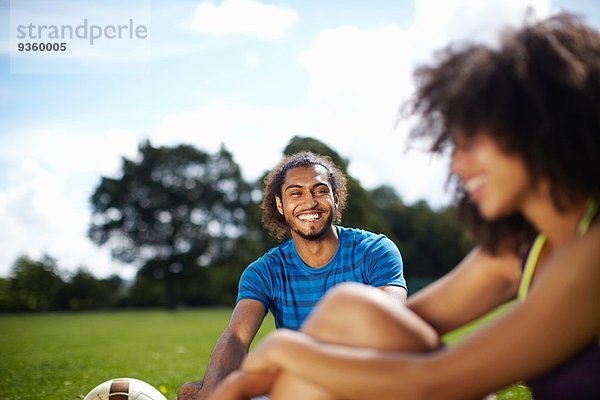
[289, 289]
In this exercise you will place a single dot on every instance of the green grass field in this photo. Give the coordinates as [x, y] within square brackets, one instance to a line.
[64, 356]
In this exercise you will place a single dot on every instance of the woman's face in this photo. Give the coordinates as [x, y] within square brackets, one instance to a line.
[496, 181]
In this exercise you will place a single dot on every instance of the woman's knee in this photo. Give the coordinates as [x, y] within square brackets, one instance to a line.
[334, 313]
[356, 314]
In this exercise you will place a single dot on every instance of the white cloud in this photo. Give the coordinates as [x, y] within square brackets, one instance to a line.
[44, 206]
[69, 149]
[365, 67]
[438, 23]
[255, 135]
[243, 17]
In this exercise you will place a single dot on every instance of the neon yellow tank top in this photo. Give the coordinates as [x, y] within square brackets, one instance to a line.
[536, 249]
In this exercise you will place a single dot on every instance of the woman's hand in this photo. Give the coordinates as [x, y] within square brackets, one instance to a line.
[259, 370]
[241, 385]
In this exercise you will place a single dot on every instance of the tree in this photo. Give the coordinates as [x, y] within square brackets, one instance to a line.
[83, 291]
[4, 294]
[33, 285]
[172, 209]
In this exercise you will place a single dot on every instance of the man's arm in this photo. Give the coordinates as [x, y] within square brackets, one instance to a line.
[230, 349]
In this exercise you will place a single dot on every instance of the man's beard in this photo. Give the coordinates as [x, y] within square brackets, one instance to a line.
[315, 236]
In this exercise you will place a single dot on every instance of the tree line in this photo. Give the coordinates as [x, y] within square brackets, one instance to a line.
[190, 223]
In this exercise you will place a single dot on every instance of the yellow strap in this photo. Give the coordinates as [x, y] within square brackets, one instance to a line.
[530, 264]
[588, 217]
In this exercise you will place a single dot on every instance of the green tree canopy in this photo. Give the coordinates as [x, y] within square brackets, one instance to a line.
[83, 291]
[33, 285]
[171, 210]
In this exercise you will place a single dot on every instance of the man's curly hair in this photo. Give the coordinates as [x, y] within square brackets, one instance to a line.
[272, 220]
[537, 95]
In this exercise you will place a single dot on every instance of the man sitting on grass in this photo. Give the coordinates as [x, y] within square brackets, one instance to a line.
[303, 196]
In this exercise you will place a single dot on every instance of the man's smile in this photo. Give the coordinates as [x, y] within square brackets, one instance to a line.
[310, 216]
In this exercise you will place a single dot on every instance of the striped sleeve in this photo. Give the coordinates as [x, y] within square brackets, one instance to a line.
[254, 284]
[384, 264]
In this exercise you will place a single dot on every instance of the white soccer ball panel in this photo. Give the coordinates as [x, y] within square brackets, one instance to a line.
[124, 389]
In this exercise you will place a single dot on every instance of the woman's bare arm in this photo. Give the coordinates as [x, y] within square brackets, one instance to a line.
[474, 287]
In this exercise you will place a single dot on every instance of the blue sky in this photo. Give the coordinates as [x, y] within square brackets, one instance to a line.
[246, 73]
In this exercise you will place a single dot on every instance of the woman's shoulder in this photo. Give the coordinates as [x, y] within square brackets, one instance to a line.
[587, 246]
[578, 260]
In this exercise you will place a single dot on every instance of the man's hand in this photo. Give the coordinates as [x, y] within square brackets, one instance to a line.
[191, 391]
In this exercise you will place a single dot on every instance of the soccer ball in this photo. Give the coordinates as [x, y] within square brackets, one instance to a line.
[124, 389]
